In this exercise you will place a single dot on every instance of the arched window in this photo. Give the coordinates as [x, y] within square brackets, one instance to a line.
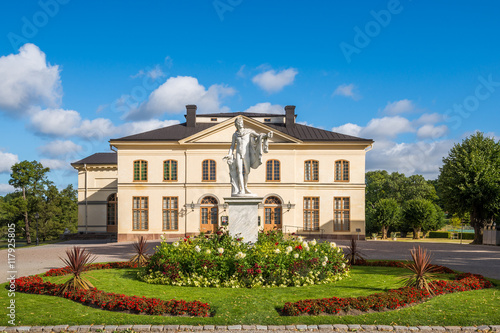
[208, 171]
[170, 170]
[272, 213]
[112, 212]
[140, 170]
[311, 171]
[273, 171]
[341, 171]
[209, 213]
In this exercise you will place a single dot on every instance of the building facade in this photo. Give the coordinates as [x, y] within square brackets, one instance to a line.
[172, 181]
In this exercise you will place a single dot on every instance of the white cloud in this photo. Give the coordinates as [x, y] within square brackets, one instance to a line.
[152, 73]
[68, 123]
[272, 81]
[387, 127]
[59, 148]
[432, 132]
[27, 80]
[56, 122]
[347, 90]
[429, 118]
[348, 129]
[241, 72]
[398, 107]
[266, 108]
[6, 161]
[408, 158]
[56, 164]
[5, 189]
[173, 95]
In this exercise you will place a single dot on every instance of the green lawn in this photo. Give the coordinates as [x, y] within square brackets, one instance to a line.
[258, 306]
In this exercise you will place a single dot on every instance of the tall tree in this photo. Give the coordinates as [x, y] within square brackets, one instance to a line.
[419, 214]
[470, 181]
[386, 214]
[31, 179]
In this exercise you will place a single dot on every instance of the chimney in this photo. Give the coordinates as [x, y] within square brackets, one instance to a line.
[191, 115]
[290, 116]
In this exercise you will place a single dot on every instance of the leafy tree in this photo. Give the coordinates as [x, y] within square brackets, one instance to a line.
[470, 181]
[386, 214]
[382, 185]
[419, 214]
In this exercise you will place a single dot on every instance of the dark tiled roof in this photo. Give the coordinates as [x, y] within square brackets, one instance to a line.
[181, 131]
[170, 133]
[98, 158]
[235, 114]
[308, 133]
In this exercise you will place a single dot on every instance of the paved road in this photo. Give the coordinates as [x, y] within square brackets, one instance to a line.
[478, 259]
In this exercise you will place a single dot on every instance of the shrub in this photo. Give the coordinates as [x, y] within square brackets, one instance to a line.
[220, 260]
[77, 259]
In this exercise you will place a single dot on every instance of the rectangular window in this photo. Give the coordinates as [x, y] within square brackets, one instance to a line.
[208, 170]
[311, 213]
[213, 119]
[311, 171]
[140, 212]
[170, 213]
[273, 171]
[342, 214]
[140, 170]
[170, 170]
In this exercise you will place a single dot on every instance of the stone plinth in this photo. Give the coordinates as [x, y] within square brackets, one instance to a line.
[243, 215]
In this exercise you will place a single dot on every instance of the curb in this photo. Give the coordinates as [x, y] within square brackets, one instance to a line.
[256, 328]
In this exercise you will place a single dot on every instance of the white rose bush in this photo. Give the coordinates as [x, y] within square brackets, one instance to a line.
[219, 260]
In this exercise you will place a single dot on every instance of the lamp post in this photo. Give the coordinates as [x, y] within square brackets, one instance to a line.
[36, 217]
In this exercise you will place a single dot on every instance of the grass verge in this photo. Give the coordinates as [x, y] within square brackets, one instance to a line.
[258, 306]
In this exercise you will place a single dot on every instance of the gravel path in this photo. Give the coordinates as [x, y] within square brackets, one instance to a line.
[478, 259]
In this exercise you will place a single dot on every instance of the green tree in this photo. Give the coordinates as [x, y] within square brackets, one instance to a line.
[470, 181]
[386, 214]
[31, 179]
[419, 214]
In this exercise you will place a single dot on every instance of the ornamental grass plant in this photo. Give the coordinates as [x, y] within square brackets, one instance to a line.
[422, 270]
[353, 253]
[220, 260]
[77, 260]
[141, 248]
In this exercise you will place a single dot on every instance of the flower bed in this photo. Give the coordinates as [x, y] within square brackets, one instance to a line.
[389, 300]
[115, 302]
[66, 270]
[220, 260]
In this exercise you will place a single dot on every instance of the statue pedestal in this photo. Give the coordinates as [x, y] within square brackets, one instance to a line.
[243, 215]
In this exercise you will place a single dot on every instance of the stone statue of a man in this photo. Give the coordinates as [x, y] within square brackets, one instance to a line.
[245, 154]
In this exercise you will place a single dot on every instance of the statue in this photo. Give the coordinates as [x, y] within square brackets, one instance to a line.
[245, 154]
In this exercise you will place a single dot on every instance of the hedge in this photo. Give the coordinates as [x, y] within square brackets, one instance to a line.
[448, 234]
[439, 234]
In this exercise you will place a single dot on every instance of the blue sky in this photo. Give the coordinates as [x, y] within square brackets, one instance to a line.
[415, 76]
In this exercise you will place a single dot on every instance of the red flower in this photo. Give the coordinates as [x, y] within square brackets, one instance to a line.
[276, 243]
[298, 247]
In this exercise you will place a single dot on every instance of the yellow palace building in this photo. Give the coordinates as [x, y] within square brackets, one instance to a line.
[172, 181]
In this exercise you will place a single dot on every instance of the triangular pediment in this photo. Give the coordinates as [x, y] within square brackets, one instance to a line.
[223, 133]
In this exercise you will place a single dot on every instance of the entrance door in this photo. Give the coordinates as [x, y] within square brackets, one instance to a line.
[112, 214]
[272, 214]
[209, 215]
